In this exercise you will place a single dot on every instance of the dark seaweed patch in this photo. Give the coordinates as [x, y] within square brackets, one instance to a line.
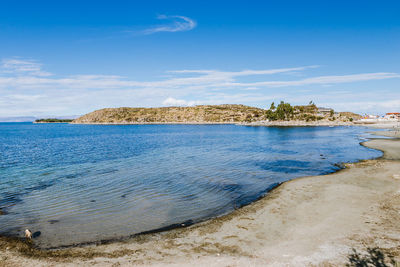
[339, 165]
[10, 199]
[169, 227]
[73, 175]
[231, 187]
[285, 166]
[69, 176]
[106, 171]
[189, 197]
[40, 186]
[36, 234]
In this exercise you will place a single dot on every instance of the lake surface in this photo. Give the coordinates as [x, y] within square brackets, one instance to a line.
[85, 183]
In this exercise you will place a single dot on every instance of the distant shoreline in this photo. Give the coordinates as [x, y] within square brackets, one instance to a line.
[44, 122]
[153, 123]
[388, 125]
[53, 120]
[297, 123]
[259, 123]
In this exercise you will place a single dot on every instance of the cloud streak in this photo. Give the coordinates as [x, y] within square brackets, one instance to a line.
[22, 67]
[30, 77]
[177, 24]
[326, 80]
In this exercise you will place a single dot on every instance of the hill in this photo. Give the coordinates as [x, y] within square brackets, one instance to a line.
[196, 114]
[283, 112]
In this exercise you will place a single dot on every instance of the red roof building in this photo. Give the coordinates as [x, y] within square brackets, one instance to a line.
[393, 115]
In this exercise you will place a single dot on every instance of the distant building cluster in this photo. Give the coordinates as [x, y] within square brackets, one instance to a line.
[388, 117]
[324, 111]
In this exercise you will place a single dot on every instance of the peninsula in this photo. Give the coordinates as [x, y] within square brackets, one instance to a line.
[283, 113]
[53, 120]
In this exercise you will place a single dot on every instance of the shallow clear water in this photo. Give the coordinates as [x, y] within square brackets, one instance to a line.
[85, 183]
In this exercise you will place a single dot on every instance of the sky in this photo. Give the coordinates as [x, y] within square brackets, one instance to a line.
[72, 57]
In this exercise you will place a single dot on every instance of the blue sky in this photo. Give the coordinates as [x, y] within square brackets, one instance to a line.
[72, 57]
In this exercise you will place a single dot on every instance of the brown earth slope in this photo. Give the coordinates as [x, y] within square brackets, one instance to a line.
[210, 114]
[196, 114]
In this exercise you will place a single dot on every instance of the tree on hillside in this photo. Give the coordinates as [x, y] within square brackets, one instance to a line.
[272, 107]
[284, 111]
[271, 115]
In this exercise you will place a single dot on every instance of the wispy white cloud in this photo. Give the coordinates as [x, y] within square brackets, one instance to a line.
[170, 101]
[201, 79]
[18, 66]
[198, 79]
[366, 106]
[244, 72]
[176, 24]
[326, 80]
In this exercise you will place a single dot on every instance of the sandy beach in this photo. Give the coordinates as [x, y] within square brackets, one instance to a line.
[311, 221]
[392, 125]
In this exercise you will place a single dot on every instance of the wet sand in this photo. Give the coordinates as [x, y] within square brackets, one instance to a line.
[381, 125]
[308, 221]
[395, 133]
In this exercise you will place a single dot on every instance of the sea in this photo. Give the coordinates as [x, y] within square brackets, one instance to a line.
[81, 184]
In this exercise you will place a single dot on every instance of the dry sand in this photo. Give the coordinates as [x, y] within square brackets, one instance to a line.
[297, 123]
[312, 221]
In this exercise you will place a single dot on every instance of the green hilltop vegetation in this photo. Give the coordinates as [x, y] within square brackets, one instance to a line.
[214, 114]
[286, 112]
[53, 120]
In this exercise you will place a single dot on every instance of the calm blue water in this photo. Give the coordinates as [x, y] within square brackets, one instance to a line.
[84, 183]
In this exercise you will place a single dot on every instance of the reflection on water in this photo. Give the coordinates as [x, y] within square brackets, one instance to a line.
[85, 183]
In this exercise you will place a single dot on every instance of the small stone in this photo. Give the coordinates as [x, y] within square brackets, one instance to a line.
[28, 234]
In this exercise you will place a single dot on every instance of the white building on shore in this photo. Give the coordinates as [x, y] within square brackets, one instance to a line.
[392, 116]
[389, 117]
